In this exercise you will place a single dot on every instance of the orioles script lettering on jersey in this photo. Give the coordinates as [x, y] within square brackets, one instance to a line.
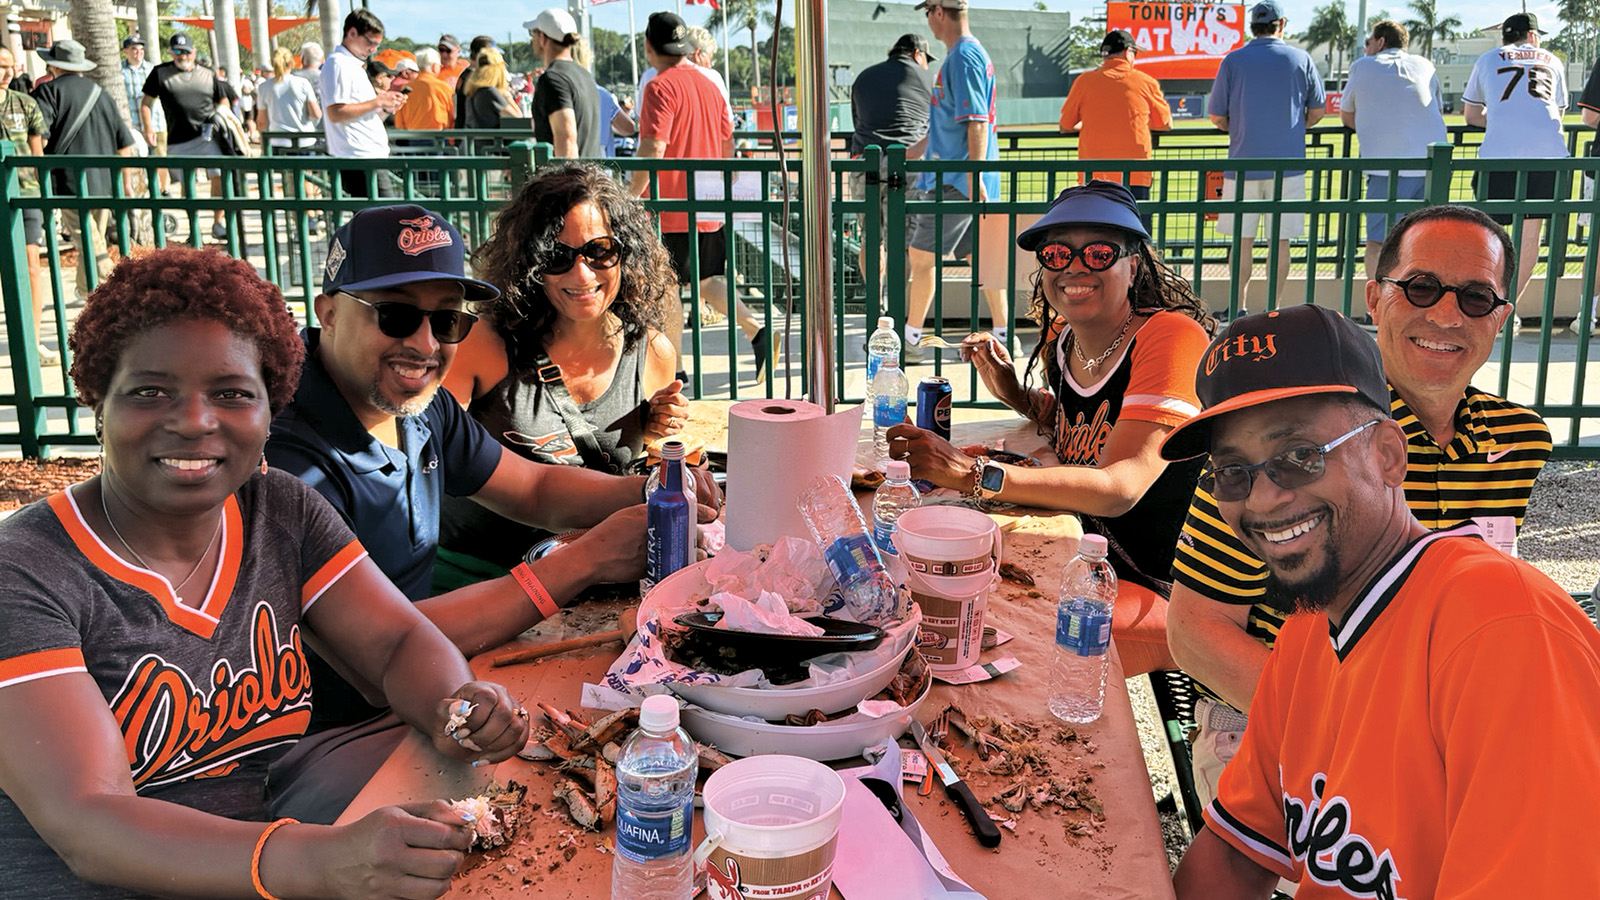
[1080, 441]
[175, 729]
[1258, 347]
[1321, 834]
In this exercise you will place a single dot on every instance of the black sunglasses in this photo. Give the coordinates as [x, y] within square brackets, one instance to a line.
[401, 320]
[1289, 470]
[600, 253]
[1098, 256]
[1424, 290]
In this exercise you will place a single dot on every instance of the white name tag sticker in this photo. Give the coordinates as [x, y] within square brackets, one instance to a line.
[1500, 532]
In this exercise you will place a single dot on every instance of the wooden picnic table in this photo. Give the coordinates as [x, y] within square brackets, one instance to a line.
[1048, 853]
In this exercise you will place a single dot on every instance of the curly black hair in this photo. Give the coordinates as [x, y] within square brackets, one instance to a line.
[184, 284]
[524, 237]
[1155, 287]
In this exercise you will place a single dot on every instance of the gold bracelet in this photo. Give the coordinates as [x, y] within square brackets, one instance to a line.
[255, 857]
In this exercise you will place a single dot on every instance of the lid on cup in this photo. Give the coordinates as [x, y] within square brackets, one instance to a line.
[659, 713]
[1092, 546]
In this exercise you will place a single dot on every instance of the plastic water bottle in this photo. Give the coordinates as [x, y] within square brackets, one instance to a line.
[836, 523]
[889, 389]
[1083, 634]
[894, 496]
[656, 771]
[669, 520]
[881, 345]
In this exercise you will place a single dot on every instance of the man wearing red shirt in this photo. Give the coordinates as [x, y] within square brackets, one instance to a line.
[684, 116]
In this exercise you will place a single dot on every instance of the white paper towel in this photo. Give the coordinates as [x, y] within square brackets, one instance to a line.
[776, 448]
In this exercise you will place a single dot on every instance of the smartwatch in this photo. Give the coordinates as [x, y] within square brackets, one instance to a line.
[991, 480]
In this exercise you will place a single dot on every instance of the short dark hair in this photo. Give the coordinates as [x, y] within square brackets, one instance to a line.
[478, 43]
[1392, 33]
[1389, 255]
[1263, 29]
[365, 22]
[183, 284]
[1513, 37]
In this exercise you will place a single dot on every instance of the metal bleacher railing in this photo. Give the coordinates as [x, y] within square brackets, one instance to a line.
[280, 208]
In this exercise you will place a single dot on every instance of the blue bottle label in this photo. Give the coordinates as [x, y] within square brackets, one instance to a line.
[646, 837]
[1085, 634]
[666, 534]
[873, 362]
[887, 410]
[851, 558]
[883, 536]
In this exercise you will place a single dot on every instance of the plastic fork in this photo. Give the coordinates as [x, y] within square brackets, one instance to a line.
[933, 340]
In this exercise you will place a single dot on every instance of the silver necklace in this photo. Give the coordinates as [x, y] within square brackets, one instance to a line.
[178, 588]
[1092, 364]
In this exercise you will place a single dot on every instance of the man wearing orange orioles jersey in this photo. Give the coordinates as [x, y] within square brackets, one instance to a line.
[1390, 752]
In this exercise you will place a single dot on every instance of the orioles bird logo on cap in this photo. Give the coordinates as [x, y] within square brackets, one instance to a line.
[422, 234]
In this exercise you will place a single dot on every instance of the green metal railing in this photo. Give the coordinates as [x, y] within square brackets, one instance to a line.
[280, 209]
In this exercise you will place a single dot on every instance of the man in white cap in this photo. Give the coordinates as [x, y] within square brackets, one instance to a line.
[566, 102]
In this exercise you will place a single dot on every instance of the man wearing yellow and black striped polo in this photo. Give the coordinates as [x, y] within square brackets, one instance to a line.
[1439, 299]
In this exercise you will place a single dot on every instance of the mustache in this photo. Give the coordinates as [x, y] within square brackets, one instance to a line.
[416, 359]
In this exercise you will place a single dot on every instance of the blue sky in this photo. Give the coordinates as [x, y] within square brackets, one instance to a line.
[425, 19]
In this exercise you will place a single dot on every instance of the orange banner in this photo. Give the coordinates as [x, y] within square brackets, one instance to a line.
[1180, 40]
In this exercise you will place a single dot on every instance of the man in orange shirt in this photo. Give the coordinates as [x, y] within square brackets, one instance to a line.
[1114, 108]
[430, 105]
[451, 62]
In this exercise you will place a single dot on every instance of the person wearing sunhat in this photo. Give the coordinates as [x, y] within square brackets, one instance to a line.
[1428, 724]
[82, 120]
[370, 430]
[1113, 109]
[1517, 93]
[1112, 374]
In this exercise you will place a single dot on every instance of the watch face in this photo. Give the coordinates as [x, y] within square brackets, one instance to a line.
[994, 478]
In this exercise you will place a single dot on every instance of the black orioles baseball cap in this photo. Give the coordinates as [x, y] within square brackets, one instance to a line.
[389, 246]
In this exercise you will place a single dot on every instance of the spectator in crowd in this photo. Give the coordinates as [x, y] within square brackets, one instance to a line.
[961, 125]
[1428, 724]
[380, 73]
[1517, 94]
[431, 104]
[614, 121]
[451, 62]
[136, 71]
[889, 103]
[152, 655]
[479, 44]
[1113, 109]
[82, 121]
[1391, 100]
[288, 103]
[1123, 334]
[189, 95]
[566, 102]
[488, 92]
[686, 117]
[311, 58]
[354, 111]
[23, 125]
[1473, 457]
[1590, 104]
[370, 431]
[1265, 96]
[588, 287]
[705, 56]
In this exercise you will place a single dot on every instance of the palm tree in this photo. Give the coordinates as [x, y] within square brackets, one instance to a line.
[1427, 25]
[95, 27]
[746, 14]
[1330, 28]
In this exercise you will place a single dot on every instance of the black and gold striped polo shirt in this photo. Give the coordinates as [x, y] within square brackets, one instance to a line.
[1487, 470]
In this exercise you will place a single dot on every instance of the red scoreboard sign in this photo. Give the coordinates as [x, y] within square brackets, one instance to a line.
[1180, 40]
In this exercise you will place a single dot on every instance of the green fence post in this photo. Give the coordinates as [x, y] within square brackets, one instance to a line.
[1436, 187]
[872, 237]
[17, 289]
[895, 228]
[525, 157]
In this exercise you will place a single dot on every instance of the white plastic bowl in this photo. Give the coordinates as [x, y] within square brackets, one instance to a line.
[822, 742]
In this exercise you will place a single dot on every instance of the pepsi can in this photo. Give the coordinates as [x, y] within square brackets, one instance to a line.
[933, 405]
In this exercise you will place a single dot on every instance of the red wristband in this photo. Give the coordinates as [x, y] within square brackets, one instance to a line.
[255, 857]
[531, 586]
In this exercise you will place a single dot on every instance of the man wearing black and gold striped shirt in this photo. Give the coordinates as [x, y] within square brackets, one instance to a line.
[1437, 301]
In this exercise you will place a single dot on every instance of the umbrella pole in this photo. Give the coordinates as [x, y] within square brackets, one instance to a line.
[816, 207]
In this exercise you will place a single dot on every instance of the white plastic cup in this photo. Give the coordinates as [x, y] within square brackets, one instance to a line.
[952, 557]
[772, 823]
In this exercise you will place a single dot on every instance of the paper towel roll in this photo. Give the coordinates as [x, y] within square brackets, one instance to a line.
[776, 448]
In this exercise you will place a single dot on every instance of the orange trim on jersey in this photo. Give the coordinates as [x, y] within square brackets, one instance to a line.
[335, 568]
[201, 621]
[30, 666]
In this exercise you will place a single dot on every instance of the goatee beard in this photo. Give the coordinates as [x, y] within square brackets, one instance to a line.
[1311, 592]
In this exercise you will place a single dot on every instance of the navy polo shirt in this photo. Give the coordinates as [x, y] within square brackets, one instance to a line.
[390, 498]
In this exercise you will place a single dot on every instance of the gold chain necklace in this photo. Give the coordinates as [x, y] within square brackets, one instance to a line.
[104, 489]
[1092, 364]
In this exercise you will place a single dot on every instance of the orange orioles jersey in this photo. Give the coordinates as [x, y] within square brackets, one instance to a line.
[1442, 741]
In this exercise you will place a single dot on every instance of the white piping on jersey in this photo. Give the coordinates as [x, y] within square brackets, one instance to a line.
[1357, 620]
[1162, 402]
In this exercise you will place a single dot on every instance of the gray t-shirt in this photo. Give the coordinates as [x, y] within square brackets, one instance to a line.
[285, 103]
[567, 85]
[207, 697]
[890, 102]
[189, 99]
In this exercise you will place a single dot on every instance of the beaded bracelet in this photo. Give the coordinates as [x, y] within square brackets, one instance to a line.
[534, 588]
[255, 857]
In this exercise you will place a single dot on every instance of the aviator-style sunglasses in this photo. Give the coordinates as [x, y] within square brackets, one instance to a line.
[401, 320]
[1098, 256]
[1424, 290]
[1289, 470]
[600, 253]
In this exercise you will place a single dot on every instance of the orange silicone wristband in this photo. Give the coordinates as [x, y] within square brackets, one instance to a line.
[534, 588]
[255, 857]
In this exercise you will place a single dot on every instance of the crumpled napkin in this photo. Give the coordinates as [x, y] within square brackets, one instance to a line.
[792, 569]
[769, 614]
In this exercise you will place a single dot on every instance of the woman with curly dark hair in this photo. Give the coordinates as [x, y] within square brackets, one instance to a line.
[573, 368]
[1123, 335]
[151, 665]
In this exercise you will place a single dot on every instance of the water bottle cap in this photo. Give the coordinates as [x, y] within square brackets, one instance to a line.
[897, 470]
[659, 713]
[886, 322]
[1092, 545]
[672, 449]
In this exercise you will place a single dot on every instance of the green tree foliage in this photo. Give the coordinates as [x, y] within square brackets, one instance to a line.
[1330, 28]
[746, 16]
[1428, 27]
